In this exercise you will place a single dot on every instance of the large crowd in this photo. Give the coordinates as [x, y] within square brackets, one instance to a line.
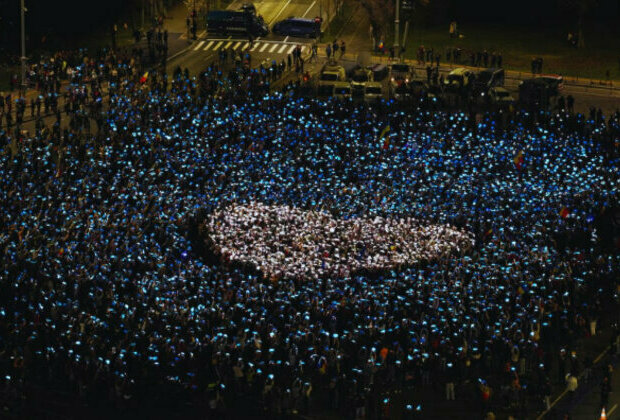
[107, 294]
[283, 241]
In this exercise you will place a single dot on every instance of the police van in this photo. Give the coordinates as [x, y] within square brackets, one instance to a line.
[298, 27]
[228, 22]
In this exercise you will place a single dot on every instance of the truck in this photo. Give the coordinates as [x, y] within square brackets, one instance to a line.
[226, 22]
[535, 94]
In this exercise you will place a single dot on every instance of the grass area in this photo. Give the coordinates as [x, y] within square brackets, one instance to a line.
[339, 21]
[519, 45]
[5, 73]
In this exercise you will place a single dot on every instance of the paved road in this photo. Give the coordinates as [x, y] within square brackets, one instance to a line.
[276, 47]
[587, 405]
[271, 47]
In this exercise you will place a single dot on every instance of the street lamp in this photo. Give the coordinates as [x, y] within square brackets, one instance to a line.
[396, 25]
[23, 58]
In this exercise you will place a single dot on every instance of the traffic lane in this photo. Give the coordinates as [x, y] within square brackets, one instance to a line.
[272, 10]
[583, 103]
[575, 90]
[301, 9]
[294, 8]
[589, 405]
[583, 100]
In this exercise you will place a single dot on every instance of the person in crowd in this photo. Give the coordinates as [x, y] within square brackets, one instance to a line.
[110, 291]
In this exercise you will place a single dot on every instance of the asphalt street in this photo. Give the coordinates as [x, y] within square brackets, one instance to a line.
[273, 47]
[263, 49]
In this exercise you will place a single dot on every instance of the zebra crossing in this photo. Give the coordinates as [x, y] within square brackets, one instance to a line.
[271, 47]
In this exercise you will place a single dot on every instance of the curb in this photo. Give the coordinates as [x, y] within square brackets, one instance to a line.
[510, 74]
[183, 51]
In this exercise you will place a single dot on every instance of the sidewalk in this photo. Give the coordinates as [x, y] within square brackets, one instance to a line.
[611, 87]
[174, 23]
[510, 74]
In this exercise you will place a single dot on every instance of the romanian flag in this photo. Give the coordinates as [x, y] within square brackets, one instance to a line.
[383, 134]
[144, 77]
[518, 160]
[564, 213]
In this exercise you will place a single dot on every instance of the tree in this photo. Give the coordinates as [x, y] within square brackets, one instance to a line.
[200, 5]
[580, 9]
[381, 15]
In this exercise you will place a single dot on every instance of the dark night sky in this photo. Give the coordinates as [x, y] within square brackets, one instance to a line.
[64, 15]
[56, 17]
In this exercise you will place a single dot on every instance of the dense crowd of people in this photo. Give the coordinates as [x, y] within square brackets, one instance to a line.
[69, 83]
[283, 241]
[106, 292]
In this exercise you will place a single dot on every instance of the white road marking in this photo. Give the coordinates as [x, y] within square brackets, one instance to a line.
[286, 39]
[612, 410]
[276, 47]
[280, 12]
[309, 8]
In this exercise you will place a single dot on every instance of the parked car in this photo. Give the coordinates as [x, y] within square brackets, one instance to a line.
[379, 72]
[487, 79]
[359, 79]
[329, 76]
[342, 90]
[499, 96]
[325, 90]
[298, 27]
[333, 73]
[400, 91]
[554, 81]
[401, 71]
[535, 93]
[418, 87]
[373, 92]
[459, 79]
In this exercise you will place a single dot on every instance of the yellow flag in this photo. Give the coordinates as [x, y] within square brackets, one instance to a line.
[384, 132]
